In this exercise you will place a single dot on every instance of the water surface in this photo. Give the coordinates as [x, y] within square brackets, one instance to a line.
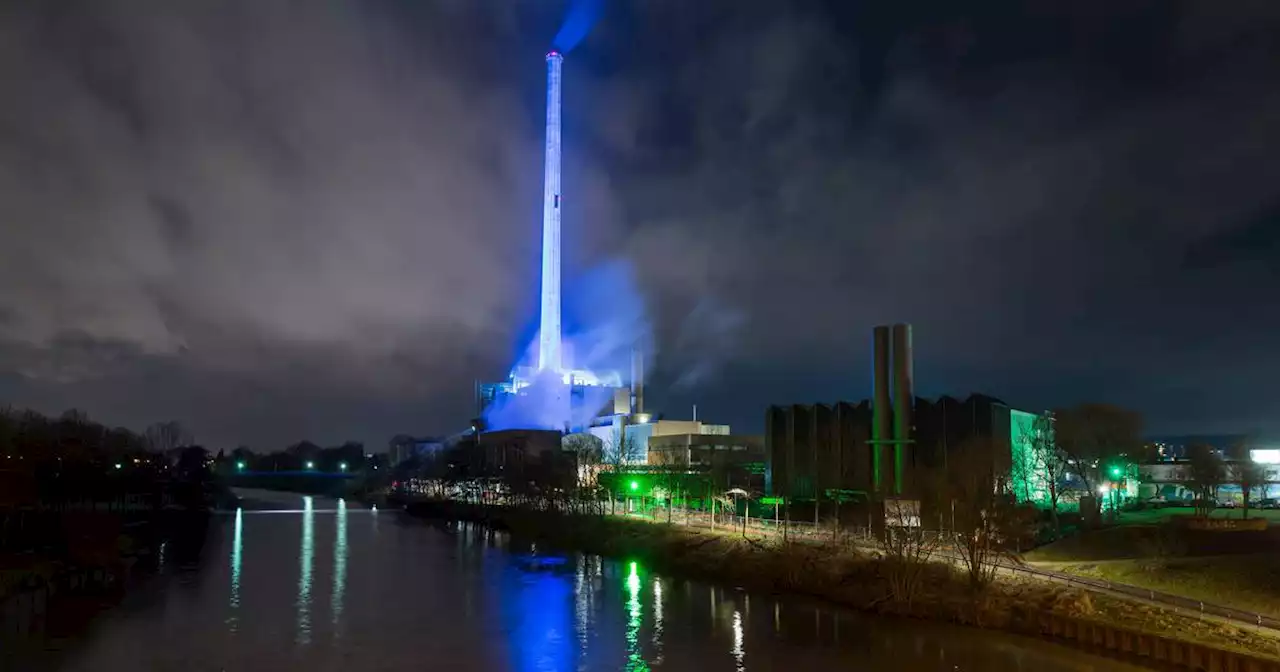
[317, 584]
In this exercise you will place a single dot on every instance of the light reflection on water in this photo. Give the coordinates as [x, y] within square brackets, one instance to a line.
[306, 556]
[237, 549]
[412, 596]
[635, 659]
[739, 654]
[339, 561]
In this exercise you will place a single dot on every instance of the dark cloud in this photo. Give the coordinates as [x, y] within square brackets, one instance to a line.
[273, 220]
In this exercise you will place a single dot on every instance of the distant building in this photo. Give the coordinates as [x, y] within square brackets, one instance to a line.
[1230, 446]
[634, 435]
[523, 456]
[402, 447]
[1170, 478]
[731, 460]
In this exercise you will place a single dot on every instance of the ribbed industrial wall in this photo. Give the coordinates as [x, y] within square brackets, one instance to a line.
[876, 446]
[817, 447]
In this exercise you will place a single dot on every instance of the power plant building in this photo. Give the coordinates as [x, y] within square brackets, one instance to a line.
[877, 449]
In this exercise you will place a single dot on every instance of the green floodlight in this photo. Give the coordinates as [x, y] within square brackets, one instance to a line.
[635, 485]
[240, 465]
[1116, 472]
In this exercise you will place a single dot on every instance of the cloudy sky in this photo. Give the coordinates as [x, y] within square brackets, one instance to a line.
[277, 220]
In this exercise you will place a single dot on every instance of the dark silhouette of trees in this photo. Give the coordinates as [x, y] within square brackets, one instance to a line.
[1207, 471]
[244, 455]
[165, 437]
[1249, 475]
[989, 523]
[1092, 436]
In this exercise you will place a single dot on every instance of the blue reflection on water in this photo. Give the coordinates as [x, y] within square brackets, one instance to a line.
[538, 611]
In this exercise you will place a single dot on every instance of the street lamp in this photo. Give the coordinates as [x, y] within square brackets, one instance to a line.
[311, 465]
[342, 466]
[240, 465]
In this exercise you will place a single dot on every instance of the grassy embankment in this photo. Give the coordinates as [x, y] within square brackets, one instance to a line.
[1224, 568]
[851, 578]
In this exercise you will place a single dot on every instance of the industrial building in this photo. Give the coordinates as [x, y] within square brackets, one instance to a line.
[549, 393]
[876, 449]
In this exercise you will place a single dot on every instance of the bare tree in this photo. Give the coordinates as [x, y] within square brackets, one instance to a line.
[1207, 471]
[618, 453]
[1249, 475]
[907, 548]
[1091, 435]
[988, 521]
[1043, 464]
[163, 437]
[588, 453]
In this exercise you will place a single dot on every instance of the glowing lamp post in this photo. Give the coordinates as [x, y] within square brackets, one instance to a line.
[240, 465]
[342, 466]
[310, 465]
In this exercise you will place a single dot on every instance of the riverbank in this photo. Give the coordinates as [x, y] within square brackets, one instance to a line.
[1246, 582]
[847, 576]
[90, 567]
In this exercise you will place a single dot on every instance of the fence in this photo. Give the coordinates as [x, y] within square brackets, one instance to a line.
[809, 532]
[863, 536]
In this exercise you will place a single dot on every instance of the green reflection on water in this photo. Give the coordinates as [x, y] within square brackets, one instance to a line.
[635, 661]
[237, 547]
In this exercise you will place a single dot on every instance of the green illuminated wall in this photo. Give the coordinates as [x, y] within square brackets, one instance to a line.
[1027, 477]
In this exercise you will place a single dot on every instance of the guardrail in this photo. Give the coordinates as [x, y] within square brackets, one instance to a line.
[1178, 603]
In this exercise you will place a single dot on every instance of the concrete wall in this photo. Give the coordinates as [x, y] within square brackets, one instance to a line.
[1168, 653]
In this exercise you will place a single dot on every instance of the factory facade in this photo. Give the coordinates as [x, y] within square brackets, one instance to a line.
[881, 448]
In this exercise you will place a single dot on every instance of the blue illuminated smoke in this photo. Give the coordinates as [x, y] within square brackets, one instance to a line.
[582, 15]
[546, 404]
[608, 322]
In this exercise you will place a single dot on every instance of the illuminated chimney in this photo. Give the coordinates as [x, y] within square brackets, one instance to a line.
[637, 381]
[549, 328]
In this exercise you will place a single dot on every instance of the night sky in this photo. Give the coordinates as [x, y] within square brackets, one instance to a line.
[278, 220]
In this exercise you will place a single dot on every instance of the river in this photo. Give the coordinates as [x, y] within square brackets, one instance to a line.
[298, 583]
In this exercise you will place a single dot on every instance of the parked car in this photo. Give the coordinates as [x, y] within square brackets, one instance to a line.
[1268, 503]
[1157, 502]
[1227, 504]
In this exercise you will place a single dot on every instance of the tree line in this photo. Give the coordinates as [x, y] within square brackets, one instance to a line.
[29, 438]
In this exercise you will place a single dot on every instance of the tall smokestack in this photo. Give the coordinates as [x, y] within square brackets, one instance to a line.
[637, 381]
[880, 404]
[549, 329]
[903, 400]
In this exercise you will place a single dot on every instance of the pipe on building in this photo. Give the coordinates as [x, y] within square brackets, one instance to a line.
[880, 404]
[637, 382]
[903, 401]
